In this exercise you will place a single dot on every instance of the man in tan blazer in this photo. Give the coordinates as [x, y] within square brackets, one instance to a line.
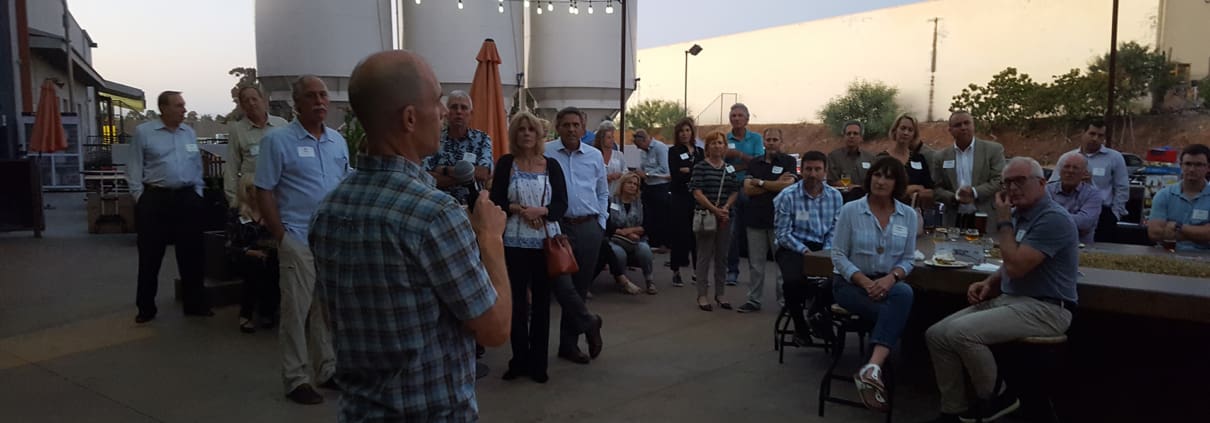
[968, 174]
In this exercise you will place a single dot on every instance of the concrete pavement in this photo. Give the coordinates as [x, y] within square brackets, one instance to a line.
[70, 352]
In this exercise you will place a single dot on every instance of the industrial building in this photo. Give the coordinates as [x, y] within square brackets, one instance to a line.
[562, 57]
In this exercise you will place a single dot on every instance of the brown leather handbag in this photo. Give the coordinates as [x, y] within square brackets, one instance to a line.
[560, 259]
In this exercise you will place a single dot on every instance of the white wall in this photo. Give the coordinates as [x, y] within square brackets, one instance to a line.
[787, 73]
[47, 16]
[1186, 34]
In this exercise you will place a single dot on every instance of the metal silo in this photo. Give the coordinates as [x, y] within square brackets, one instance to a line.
[449, 37]
[324, 38]
[575, 60]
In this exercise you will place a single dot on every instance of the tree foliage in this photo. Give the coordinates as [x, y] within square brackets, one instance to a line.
[355, 136]
[1011, 98]
[871, 103]
[652, 114]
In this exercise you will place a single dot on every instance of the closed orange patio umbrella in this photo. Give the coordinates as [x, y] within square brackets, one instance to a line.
[487, 95]
[48, 135]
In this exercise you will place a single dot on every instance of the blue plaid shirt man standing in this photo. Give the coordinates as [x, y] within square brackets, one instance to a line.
[409, 281]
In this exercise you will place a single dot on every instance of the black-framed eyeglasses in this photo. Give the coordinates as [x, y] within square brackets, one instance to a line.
[1017, 182]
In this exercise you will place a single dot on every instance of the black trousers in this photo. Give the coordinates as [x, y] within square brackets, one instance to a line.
[796, 289]
[261, 294]
[163, 217]
[571, 291]
[680, 225]
[1107, 226]
[531, 317]
[655, 214]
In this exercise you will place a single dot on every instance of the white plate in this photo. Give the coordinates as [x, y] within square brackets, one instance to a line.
[954, 265]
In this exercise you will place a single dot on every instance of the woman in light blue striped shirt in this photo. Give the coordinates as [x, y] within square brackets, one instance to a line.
[872, 255]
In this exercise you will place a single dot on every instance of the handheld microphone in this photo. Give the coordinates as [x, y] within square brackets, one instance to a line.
[464, 174]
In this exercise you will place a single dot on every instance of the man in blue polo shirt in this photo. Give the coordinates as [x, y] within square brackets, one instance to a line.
[298, 165]
[1181, 212]
[742, 146]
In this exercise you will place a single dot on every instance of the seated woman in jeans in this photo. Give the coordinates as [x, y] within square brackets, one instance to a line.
[872, 255]
[626, 239]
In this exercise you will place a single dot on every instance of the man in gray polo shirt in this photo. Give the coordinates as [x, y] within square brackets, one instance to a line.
[1033, 294]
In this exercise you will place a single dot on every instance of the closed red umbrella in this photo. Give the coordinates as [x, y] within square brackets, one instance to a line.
[48, 135]
[487, 95]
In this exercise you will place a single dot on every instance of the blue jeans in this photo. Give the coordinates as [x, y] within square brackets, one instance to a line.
[890, 315]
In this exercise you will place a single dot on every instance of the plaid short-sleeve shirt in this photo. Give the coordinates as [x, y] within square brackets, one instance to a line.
[398, 267]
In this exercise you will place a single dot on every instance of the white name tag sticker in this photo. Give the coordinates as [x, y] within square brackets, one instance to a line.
[732, 146]
[306, 152]
[1098, 171]
[254, 150]
[917, 165]
[777, 170]
[615, 206]
[1201, 214]
[730, 169]
[192, 148]
[470, 157]
[1020, 235]
[802, 215]
[948, 164]
[899, 231]
[865, 165]
[684, 156]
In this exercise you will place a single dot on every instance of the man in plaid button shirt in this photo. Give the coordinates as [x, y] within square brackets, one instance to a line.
[400, 266]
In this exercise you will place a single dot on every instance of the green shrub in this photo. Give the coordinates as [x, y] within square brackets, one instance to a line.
[871, 103]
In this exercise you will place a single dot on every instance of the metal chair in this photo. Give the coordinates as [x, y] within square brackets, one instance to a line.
[845, 323]
[783, 334]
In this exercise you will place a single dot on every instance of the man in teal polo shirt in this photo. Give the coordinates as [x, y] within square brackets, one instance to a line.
[1181, 212]
[742, 146]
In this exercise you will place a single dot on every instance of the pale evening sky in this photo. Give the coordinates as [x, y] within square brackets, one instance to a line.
[189, 46]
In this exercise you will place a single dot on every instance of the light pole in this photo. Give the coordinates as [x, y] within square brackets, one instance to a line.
[694, 51]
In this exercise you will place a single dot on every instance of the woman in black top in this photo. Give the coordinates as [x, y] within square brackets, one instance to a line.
[908, 150]
[250, 247]
[682, 157]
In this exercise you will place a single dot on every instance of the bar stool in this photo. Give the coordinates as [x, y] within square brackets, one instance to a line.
[783, 335]
[1029, 362]
[845, 323]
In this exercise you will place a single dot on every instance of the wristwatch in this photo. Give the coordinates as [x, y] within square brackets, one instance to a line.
[760, 183]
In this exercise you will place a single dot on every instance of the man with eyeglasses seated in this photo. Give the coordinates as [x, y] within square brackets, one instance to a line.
[1180, 213]
[1032, 294]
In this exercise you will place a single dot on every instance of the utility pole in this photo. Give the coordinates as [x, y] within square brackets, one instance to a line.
[933, 70]
[71, 77]
[1113, 75]
[622, 84]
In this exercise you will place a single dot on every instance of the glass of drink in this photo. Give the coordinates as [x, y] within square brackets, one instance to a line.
[845, 180]
[939, 234]
[952, 234]
[971, 234]
[1169, 244]
[981, 221]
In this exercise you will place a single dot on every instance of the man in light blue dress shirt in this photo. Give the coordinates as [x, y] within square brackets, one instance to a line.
[298, 165]
[583, 223]
[653, 168]
[165, 177]
[1107, 172]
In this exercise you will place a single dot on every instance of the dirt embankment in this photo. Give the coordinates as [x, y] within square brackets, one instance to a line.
[1045, 143]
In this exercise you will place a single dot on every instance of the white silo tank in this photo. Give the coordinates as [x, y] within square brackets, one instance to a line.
[574, 59]
[319, 37]
[449, 38]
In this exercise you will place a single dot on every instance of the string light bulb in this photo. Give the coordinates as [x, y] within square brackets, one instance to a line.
[550, 6]
[609, 7]
[526, 4]
[501, 8]
[571, 8]
[539, 9]
[417, 1]
[589, 8]
[459, 4]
